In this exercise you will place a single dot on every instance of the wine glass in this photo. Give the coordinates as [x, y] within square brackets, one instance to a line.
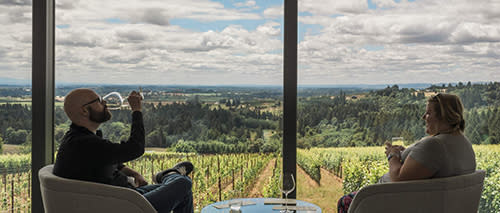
[115, 101]
[236, 205]
[286, 187]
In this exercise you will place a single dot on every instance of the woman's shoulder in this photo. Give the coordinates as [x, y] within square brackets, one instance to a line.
[448, 138]
[429, 142]
[429, 139]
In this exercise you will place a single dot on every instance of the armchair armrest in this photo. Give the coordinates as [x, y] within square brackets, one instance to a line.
[451, 194]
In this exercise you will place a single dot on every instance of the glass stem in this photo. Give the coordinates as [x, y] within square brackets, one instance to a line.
[286, 202]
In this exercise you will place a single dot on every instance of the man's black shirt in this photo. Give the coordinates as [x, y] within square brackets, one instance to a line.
[86, 156]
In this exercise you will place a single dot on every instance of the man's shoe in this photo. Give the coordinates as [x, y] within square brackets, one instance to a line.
[182, 168]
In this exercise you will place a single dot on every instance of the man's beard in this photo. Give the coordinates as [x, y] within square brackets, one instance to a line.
[99, 117]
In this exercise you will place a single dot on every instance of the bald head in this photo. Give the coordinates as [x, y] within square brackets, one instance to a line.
[74, 101]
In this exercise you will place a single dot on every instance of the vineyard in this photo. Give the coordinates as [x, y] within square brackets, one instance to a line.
[222, 177]
[215, 178]
[358, 167]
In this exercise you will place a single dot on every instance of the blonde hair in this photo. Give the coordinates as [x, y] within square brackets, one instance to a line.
[450, 109]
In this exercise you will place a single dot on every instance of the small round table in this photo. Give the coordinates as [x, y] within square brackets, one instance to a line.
[259, 206]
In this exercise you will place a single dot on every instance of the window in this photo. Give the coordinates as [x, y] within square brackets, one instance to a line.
[15, 106]
[211, 75]
[365, 71]
[344, 44]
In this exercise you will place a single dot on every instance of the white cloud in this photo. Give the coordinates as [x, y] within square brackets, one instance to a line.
[274, 12]
[156, 16]
[329, 7]
[385, 3]
[270, 28]
[67, 4]
[251, 4]
[15, 2]
[422, 41]
[475, 32]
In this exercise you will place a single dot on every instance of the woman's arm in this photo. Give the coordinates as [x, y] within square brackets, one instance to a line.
[409, 170]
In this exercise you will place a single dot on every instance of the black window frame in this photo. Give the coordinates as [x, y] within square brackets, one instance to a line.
[42, 106]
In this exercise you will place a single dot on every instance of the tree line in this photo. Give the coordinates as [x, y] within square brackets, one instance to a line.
[394, 112]
[322, 121]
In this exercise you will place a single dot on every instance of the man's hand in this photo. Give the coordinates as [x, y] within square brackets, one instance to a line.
[139, 180]
[135, 101]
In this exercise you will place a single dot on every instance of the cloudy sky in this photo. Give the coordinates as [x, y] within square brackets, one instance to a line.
[239, 42]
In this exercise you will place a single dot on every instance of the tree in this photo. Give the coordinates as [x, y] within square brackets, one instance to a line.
[113, 131]
[59, 132]
[13, 136]
[270, 146]
[408, 137]
[472, 127]
[26, 146]
[154, 138]
[183, 146]
[494, 127]
[260, 133]
[255, 146]
[1, 144]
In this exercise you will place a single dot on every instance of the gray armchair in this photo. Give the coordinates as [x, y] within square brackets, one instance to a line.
[444, 195]
[67, 195]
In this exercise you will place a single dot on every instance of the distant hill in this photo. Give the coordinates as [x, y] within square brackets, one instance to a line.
[15, 82]
[369, 86]
[27, 82]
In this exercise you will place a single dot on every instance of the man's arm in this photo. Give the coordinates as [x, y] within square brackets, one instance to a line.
[134, 146]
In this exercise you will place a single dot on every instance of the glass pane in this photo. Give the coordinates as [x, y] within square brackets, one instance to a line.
[15, 106]
[211, 76]
[366, 69]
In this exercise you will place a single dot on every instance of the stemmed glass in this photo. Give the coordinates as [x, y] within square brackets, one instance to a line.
[286, 188]
[115, 101]
[236, 206]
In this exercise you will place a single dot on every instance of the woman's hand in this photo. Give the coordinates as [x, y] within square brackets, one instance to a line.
[389, 148]
[401, 148]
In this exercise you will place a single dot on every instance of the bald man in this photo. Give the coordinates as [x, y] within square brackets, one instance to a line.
[85, 155]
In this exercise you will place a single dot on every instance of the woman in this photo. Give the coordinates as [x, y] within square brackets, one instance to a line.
[445, 152]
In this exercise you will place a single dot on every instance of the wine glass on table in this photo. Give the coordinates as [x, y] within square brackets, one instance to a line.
[286, 187]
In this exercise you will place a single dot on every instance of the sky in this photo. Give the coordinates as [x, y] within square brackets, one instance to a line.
[240, 42]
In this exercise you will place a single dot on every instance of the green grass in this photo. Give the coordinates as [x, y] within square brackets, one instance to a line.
[324, 195]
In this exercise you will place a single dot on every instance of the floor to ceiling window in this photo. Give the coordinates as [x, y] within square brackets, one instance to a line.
[15, 106]
[365, 70]
[211, 76]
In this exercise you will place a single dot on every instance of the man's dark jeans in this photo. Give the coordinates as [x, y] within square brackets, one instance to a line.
[174, 193]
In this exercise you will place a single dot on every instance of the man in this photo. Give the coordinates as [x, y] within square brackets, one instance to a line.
[85, 155]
